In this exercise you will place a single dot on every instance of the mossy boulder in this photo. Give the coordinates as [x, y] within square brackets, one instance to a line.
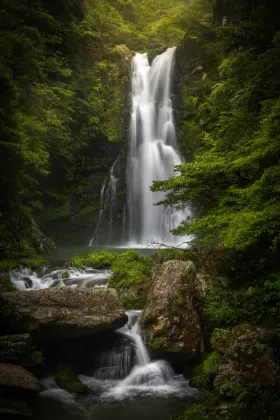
[252, 359]
[59, 313]
[169, 319]
[67, 380]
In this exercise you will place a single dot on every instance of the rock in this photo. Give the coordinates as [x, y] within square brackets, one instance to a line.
[15, 380]
[252, 357]
[67, 380]
[14, 408]
[14, 348]
[59, 313]
[222, 340]
[133, 296]
[203, 286]
[169, 319]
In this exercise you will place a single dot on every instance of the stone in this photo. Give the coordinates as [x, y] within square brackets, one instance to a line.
[66, 379]
[169, 319]
[203, 286]
[64, 312]
[15, 379]
[252, 358]
[14, 348]
[14, 408]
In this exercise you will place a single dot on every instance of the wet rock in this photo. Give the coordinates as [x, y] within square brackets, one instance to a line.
[17, 380]
[169, 319]
[28, 282]
[66, 379]
[13, 409]
[14, 348]
[59, 313]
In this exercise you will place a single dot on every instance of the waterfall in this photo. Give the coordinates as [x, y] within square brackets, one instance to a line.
[124, 373]
[107, 201]
[153, 150]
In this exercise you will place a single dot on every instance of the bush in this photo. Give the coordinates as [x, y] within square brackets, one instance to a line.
[130, 268]
[99, 260]
[254, 303]
[205, 373]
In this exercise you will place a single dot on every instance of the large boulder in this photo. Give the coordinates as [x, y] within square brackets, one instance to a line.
[17, 389]
[18, 381]
[14, 348]
[59, 313]
[169, 319]
[250, 356]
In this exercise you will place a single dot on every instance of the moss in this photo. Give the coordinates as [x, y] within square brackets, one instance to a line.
[67, 380]
[161, 342]
[98, 260]
[35, 357]
[196, 412]
[6, 284]
[65, 274]
[33, 262]
[180, 300]
[205, 373]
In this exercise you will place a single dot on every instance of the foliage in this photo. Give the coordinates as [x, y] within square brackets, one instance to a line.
[130, 268]
[127, 268]
[233, 176]
[205, 373]
[99, 260]
[256, 303]
[196, 412]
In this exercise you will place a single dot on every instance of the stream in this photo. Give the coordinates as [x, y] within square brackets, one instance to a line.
[125, 382]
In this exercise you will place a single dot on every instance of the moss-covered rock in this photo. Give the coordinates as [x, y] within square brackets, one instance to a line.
[251, 359]
[220, 340]
[58, 313]
[169, 319]
[67, 380]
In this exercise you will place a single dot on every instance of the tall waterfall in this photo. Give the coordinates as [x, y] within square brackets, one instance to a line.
[153, 150]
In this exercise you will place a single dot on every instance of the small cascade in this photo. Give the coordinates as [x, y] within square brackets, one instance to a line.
[128, 371]
[26, 279]
[107, 200]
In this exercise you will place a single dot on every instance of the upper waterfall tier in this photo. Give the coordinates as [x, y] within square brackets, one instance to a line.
[153, 150]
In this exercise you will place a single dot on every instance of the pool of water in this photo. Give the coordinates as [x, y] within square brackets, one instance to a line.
[64, 406]
[64, 253]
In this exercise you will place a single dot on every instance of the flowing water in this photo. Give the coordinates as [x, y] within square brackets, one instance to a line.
[152, 155]
[153, 150]
[124, 381]
[125, 384]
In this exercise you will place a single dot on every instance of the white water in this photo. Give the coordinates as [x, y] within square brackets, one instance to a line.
[141, 376]
[107, 200]
[26, 279]
[153, 151]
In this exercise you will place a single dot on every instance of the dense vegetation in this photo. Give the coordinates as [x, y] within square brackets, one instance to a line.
[64, 74]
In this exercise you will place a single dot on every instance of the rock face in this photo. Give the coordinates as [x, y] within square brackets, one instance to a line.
[18, 380]
[169, 319]
[14, 348]
[250, 356]
[17, 388]
[60, 313]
